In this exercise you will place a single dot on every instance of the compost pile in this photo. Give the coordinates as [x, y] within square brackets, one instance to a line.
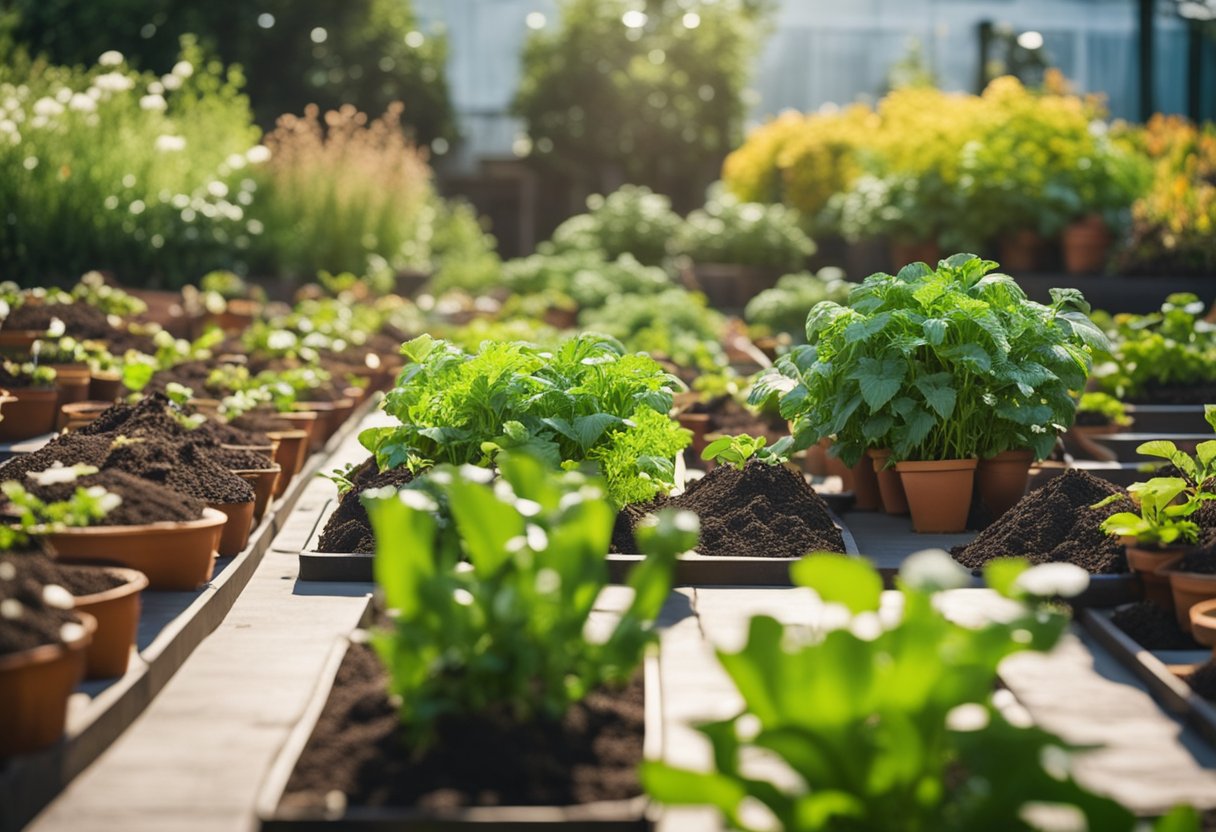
[30, 621]
[348, 530]
[357, 749]
[762, 511]
[1055, 524]
[1152, 627]
[143, 501]
[184, 468]
[80, 320]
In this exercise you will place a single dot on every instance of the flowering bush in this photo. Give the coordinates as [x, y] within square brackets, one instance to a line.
[113, 169]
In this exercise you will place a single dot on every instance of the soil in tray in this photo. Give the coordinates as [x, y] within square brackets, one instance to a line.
[763, 511]
[30, 615]
[79, 319]
[143, 501]
[348, 530]
[70, 449]
[1152, 627]
[1055, 524]
[357, 749]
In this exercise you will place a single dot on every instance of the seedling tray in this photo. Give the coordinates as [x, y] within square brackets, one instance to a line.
[634, 815]
[692, 569]
[1160, 671]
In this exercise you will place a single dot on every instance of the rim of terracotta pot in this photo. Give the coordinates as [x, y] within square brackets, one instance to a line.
[293, 433]
[211, 517]
[136, 581]
[272, 469]
[1203, 616]
[921, 465]
[50, 652]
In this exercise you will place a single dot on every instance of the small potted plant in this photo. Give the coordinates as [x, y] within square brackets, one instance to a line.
[35, 400]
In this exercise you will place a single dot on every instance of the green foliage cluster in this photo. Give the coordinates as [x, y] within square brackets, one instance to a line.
[945, 363]
[1105, 405]
[1172, 348]
[784, 307]
[737, 450]
[649, 91]
[631, 220]
[509, 634]
[726, 230]
[891, 722]
[675, 324]
[586, 401]
[583, 276]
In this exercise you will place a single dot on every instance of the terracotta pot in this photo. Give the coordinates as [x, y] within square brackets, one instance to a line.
[890, 486]
[903, 254]
[74, 416]
[18, 341]
[939, 493]
[1203, 624]
[236, 531]
[1022, 251]
[105, 386]
[1002, 480]
[815, 462]
[34, 688]
[290, 455]
[1186, 590]
[73, 386]
[1147, 563]
[867, 496]
[1086, 243]
[176, 556]
[263, 481]
[356, 394]
[117, 614]
[29, 412]
[698, 423]
[310, 421]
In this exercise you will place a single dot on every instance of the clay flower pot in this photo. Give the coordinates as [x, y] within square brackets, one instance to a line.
[939, 493]
[28, 412]
[866, 494]
[263, 481]
[72, 384]
[236, 531]
[1002, 480]
[330, 417]
[1186, 590]
[890, 486]
[1086, 244]
[34, 688]
[1147, 562]
[306, 420]
[1022, 250]
[105, 385]
[1203, 624]
[177, 556]
[117, 614]
[19, 341]
[74, 416]
[289, 456]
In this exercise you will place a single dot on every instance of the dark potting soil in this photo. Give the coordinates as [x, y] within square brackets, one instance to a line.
[234, 459]
[1055, 524]
[1152, 627]
[1203, 680]
[348, 530]
[225, 434]
[152, 416]
[143, 501]
[80, 320]
[1202, 559]
[763, 511]
[121, 340]
[488, 760]
[69, 449]
[1091, 418]
[263, 423]
[78, 580]
[1176, 394]
[27, 620]
[192, 374]
[183, 467]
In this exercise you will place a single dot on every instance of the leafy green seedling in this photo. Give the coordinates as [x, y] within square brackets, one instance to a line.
[36, 516]
[1162, 518]
[737, 450]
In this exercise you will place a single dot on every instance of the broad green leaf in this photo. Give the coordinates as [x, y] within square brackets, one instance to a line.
[1070, 299]
[1002, 574]
[935, 330]
[419, 348]
[938, 393]
[840, 579]
[1178, 819]
[876, 427]
[680, 787]
[970, 355]
[879, 380]
[1158, 447]
[918, 423]
[486, 525]
[863, 330]
[1206, 451]
[405, 529]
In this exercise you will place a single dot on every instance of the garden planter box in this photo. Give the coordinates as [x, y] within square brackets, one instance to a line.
[691, 569]
[1168, 418]
[608, 816]
[1123, 445]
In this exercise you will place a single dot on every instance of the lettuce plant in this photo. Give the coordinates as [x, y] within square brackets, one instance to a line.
[585, 401]
[942, 363]
[737, 450]
[890, 722]
[510, 631]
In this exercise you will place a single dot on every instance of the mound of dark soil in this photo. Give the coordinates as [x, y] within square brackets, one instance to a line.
[78, 580]
[80, 320]
[357, 749]
[28, 621]
[1152, 627]
[763, 511]
[143, 501]
[225, 434]
[1055, 524]
[153, 416]
[185, 468]
[348, 530]
[234, 459]
[70, 449]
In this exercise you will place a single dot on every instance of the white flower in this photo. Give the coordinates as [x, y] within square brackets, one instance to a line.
[53, 595]
[1049, 579]
[183, 69]
[111, 58]
[38, 122]
[153, 102]
[156, 88]
[170, 144]
[113, 82]
[171, 82]
[235, 162]
[64, 95]
[47, 107]
[56, 328]
[258, 154]
[7, 126]
[59, 473]
[217, 189]
[254, 227]
[82, 103]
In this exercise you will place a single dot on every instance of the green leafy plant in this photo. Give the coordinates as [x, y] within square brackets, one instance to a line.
[26, 374]
[1162, 520]
[509, 633]
[1173, 351]
[586, 277]
[745, 233]
[586, 401]
[631, 220]
[783, 308]
[945, 363]
[737, 450]
[674, 324]
[1104, 407]
[93, 290]
[888, 722]
[35, 516]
